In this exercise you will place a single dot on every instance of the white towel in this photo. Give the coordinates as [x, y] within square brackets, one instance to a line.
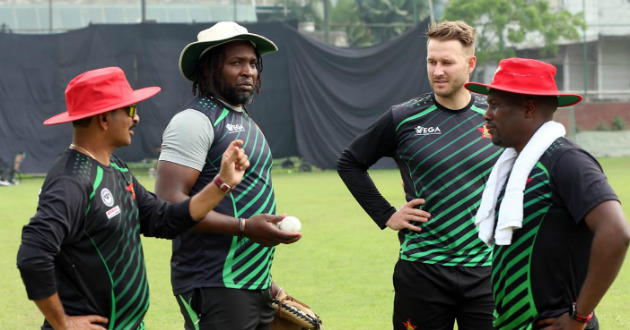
[511, 208]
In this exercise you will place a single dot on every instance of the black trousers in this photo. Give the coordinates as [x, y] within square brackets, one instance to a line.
[433, 297]
[223, 308]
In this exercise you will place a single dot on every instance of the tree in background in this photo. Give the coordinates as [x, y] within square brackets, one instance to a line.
[307, 13]
[390, 18]
[366, 22]
[502, 24]
[313, 11]
[345, 16]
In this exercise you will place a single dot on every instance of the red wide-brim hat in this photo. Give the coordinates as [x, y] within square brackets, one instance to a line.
[99, 91]
[525, 76]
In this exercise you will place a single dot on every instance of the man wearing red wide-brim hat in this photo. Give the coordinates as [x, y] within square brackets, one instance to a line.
[81, 258]
[558, 230]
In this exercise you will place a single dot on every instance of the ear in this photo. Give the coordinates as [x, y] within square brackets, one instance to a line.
[472, 63]
[103, 120]
[531, 108]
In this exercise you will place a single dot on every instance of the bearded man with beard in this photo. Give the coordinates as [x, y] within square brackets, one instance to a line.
[222, 280]
[445, 154]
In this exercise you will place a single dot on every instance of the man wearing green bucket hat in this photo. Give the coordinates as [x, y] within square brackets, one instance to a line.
[557, 227]
[222, 281]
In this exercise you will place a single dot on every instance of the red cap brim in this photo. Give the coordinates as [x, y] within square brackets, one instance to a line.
[137, 96]
[564, 99]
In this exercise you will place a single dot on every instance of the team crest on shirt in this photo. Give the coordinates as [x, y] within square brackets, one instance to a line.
[234, 128]
[131, 190]
[420, 130]
[408, 325]
[484, 131]
[107, 197]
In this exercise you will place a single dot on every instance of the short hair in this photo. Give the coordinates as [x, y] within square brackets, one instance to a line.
[454, 30]
[83, 122]
[212, 63]
[547, 103]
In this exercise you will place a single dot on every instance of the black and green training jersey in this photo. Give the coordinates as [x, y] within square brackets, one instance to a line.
[84, 241]
[217, 260]
[542, 271]
[445, 157]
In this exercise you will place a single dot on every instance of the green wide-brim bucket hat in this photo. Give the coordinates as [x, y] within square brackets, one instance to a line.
[218, 34]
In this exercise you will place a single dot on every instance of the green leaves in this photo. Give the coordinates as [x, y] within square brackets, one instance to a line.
[504, 24]
[387, 19]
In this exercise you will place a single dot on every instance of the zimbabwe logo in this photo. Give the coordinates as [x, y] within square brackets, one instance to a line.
[408, 325]
[484, 132]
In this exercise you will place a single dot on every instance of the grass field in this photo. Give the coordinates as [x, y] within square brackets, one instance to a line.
[342, 267]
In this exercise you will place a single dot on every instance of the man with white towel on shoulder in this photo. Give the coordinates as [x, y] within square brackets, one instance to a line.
[559, 233]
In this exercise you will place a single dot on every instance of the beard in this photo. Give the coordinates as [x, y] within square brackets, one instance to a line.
[456, 84]
[496, 139]
[231, 95]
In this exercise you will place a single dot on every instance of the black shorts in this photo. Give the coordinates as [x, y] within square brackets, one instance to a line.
[222, 308]
[433, 297]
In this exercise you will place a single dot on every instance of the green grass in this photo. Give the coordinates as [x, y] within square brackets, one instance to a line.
[342, 267]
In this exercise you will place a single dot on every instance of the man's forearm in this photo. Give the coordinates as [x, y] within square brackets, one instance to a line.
[608, 251]
[365, 192]
[213, 222]
[55, 314]
[205, 200]
[355, 176]
[607, 255]
[53, 311]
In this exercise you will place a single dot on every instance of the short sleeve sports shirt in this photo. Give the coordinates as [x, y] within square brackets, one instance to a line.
[545, 266]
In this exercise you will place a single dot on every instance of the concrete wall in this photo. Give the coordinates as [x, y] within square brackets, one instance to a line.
[614, 65]
[573, 68]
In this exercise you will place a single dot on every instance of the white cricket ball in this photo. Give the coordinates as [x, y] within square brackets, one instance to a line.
[290, 224]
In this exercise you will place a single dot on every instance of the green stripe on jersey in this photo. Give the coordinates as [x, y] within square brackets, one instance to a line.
[438, 151]
[192, 315]
[423, 113]
[234, 269]
[112, 320]
[97, 183]
[121, 253]
[248, 264]
[224, 114]
[511, 275]
[448, 169]
[478, 110]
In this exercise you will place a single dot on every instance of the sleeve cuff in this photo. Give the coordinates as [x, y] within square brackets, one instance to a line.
[39, 284]
[181, 210]
[383, 220]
